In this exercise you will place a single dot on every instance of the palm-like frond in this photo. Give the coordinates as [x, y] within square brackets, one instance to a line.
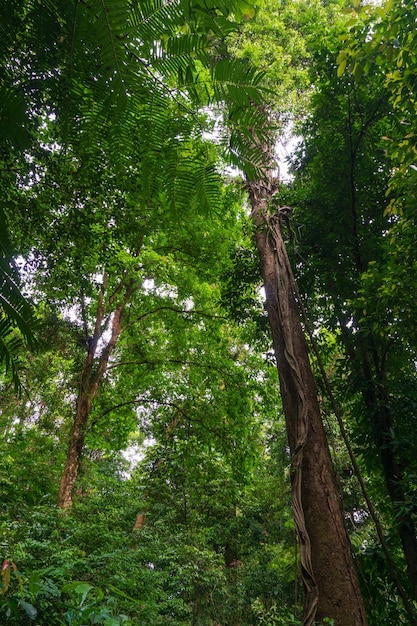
[16, 312]
[118, 85]
[98, 65]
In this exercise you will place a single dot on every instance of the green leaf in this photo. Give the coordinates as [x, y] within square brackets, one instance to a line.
[358, 70]
[341, 56]
[341, 67]
[29, 609]
[112, 621]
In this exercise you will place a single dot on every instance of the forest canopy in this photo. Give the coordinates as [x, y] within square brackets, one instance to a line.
[208, 382]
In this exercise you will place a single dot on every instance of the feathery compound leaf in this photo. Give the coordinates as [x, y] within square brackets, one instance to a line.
[16, 321]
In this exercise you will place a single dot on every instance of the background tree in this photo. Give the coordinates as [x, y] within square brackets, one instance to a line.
[340, 188]
[113, 99]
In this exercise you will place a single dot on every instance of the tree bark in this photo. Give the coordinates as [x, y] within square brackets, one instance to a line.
[375, 395]
[91, 377]
[368, 366]
[329, 577]
[377, 403]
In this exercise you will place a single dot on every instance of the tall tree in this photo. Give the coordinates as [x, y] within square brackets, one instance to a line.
[329, 575]
[113, 91]
[341, 189]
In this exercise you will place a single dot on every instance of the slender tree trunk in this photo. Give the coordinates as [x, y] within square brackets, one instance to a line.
[376, 401]
[91, 377]
[377, 404]
[403, 518]
[375, 394]
[329, 576]
[75, 448]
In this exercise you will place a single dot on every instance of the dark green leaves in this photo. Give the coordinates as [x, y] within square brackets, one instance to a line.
[17, 318]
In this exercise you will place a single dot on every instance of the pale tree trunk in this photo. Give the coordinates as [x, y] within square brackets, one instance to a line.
[90, 380]
[330, 581]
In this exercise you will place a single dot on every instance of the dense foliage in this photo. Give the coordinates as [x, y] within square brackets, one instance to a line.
[145, 472]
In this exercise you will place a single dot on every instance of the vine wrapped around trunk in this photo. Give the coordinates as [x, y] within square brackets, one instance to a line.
[329, 577]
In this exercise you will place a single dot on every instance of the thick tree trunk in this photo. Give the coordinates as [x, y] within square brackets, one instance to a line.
[329, 576]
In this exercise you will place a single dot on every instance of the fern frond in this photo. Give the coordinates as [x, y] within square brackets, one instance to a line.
[16, 320]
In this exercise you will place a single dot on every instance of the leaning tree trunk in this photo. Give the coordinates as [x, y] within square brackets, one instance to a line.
[91, 377]
[329, 577]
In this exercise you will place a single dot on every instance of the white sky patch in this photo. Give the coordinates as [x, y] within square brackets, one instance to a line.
[135, 453]
[167, 291]
[285, 148]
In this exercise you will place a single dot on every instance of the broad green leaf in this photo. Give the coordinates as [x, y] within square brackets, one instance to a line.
[341, 56]
[341, 67]
[358, 71]
[29, 609]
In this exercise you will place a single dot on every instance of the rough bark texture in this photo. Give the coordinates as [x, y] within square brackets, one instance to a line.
[329, 576]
